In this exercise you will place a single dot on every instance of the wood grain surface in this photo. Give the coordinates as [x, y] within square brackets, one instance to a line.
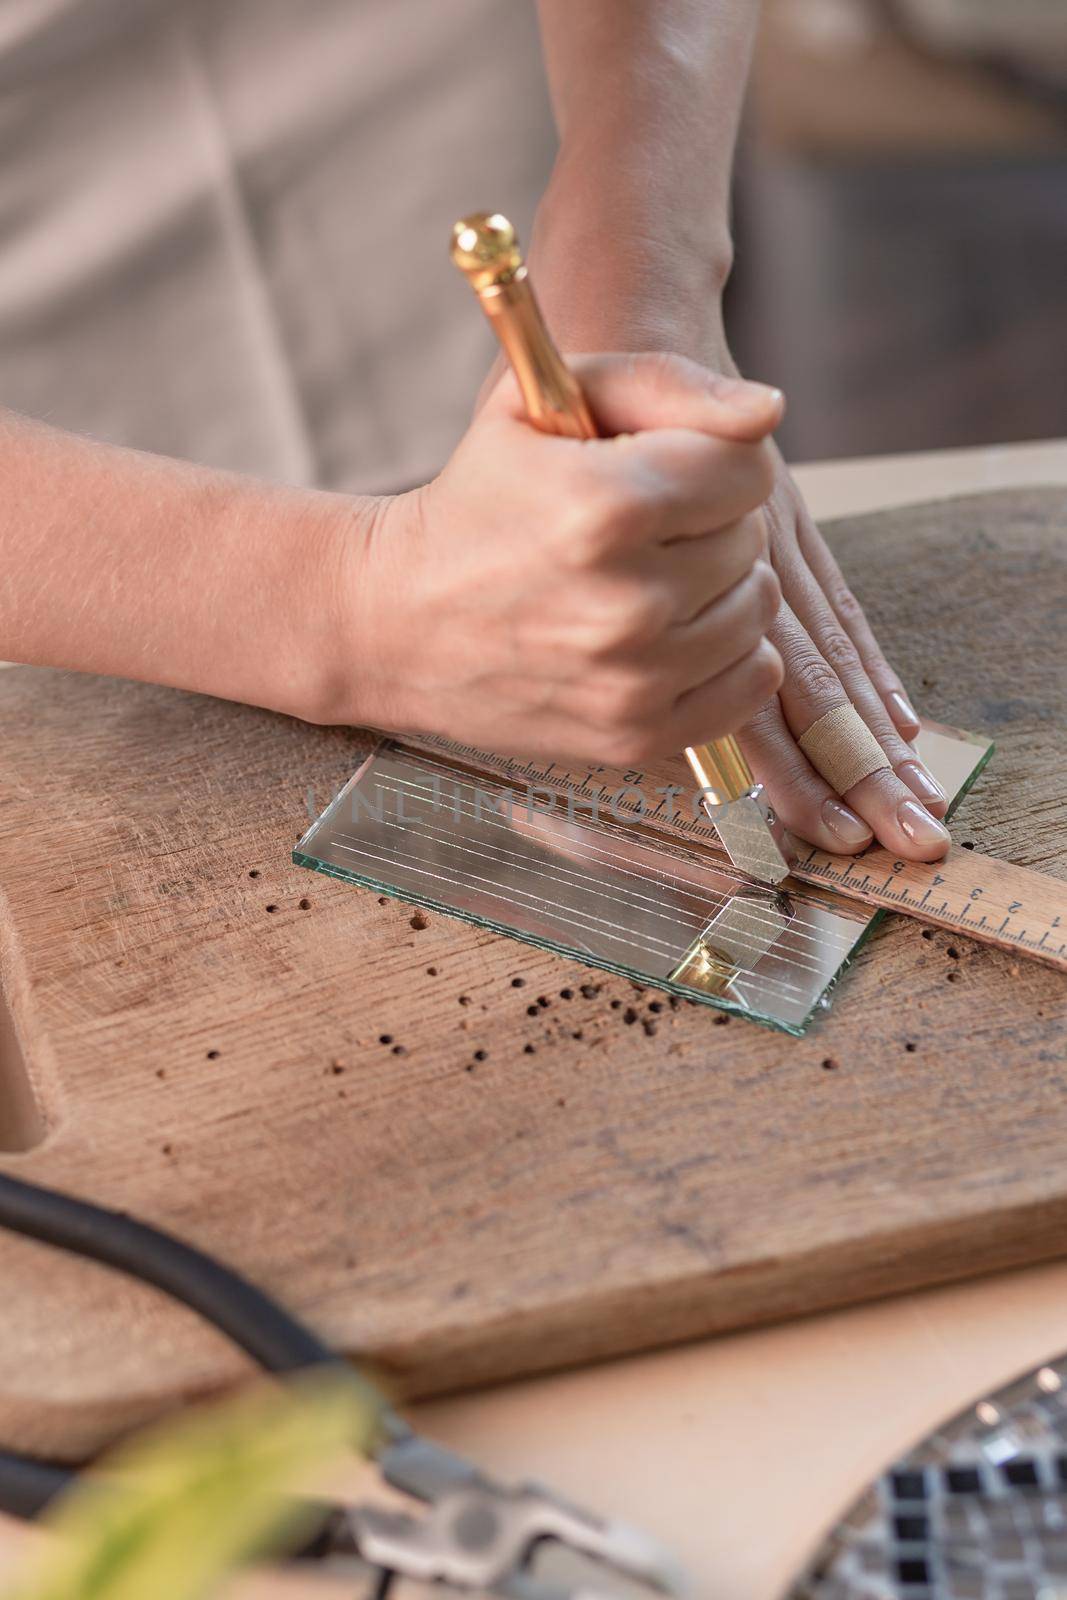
[467, 1158]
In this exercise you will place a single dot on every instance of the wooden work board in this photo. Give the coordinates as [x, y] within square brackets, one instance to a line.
[461, 1156]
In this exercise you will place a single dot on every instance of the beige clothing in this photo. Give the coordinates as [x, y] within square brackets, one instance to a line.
[224, 223]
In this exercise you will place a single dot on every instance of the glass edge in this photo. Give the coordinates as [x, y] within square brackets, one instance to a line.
[324, 816]
[795, 1030]
[979, 767]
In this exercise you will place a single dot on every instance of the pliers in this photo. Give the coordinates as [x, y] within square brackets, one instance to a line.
[476, 1536]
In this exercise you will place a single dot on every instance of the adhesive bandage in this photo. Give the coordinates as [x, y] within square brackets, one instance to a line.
[842, 748]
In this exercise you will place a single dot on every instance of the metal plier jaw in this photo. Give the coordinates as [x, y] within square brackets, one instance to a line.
[481, 1536]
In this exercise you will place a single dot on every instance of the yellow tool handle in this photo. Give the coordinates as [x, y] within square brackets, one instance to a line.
[486, 251]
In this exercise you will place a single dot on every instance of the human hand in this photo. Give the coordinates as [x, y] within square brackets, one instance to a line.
[830, 654]
[606, 599]
[831, 657]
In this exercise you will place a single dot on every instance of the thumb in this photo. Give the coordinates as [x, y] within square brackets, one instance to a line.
[632, 393]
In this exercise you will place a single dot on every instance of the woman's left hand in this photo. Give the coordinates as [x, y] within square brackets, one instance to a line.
[831, 657]
[828, 647]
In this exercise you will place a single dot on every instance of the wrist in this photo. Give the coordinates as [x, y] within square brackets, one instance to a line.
[322, 668]
[363, 592]
[617, 269]
[637, 208]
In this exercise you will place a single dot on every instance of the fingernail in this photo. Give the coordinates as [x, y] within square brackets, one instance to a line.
[745, 395]
[902, 713]
[919, 825]
[920, 782]
[845, 825]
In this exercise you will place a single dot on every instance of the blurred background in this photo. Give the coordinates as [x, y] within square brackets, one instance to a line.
[187, 262]
[901, 222]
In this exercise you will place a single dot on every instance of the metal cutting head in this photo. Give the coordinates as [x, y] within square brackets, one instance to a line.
[753, 836]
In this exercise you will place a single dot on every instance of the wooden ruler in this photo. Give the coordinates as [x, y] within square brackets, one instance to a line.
[995, 902]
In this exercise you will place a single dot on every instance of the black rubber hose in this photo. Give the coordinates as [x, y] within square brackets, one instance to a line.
[236, 1307]
[250, 1318]
[28, 1487]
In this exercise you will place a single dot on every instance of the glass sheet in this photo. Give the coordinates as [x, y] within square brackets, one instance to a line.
[413, 824]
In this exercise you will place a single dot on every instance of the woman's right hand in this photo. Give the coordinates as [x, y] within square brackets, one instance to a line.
[605, 600]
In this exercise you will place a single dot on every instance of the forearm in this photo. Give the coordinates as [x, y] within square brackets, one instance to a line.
[114, 561]
[648, 97]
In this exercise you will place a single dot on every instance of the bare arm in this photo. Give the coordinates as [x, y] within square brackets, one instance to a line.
[411, 611]
[631, 251]
[633, 237]
[116, 561]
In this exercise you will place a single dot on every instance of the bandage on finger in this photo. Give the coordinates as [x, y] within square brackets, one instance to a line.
[842, 748]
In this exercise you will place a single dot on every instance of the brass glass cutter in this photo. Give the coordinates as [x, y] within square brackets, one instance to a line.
[486, 250]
